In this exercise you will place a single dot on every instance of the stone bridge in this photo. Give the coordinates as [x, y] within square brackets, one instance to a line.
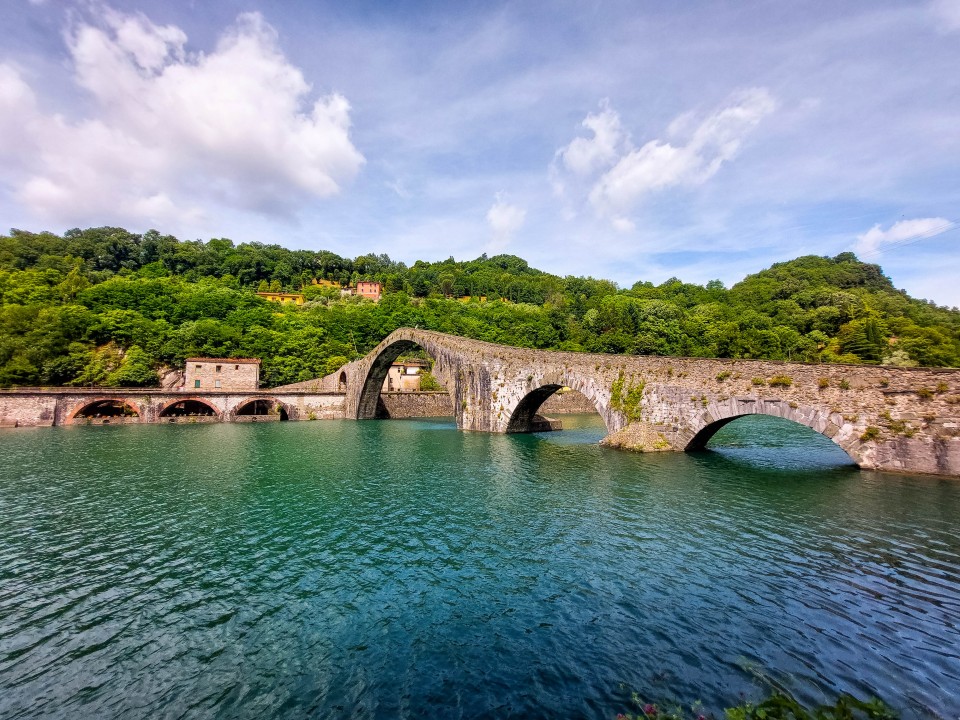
[886, 418]
[31, 407]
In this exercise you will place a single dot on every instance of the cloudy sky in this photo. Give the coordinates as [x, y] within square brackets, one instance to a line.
[632, 140]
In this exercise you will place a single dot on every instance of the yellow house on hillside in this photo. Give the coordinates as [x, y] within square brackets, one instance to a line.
[295, 298]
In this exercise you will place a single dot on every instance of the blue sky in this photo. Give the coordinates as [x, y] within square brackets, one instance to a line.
[626, 140]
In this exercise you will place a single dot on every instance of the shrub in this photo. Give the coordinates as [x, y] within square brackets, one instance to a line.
[723, 375]
[924, 393]
[758, 381]
[428, 383]
[823, 383]
[871, 433]
[781, 381]
[897, 427]
[844, 385]
[942, 387]
[633, 400]
[777, 706]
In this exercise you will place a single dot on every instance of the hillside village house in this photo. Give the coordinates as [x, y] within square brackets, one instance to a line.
[295, 298]
[404, 376]
[222, 374]
[365, 288]
[369, 290]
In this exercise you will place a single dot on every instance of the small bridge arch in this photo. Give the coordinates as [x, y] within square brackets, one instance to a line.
[191, 406]
[260, 406]
[108, 407]
[717, 415]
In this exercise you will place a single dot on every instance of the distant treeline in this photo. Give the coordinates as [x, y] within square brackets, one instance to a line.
[105, 306]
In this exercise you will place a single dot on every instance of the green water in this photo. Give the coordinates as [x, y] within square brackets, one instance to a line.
[386, 569]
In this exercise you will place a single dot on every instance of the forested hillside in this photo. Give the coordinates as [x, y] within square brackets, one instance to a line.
[105, 306]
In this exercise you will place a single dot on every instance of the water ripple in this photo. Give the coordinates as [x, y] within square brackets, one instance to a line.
[405, 569]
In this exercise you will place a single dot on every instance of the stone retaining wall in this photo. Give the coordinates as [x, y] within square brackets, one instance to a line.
[412, 405]
[567, 403]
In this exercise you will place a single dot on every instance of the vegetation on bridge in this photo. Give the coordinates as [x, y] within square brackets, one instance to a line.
[105, 306]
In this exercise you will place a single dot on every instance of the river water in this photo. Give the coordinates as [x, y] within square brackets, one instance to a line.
[386, 569]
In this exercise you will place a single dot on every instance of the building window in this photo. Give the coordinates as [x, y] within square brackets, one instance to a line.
[199, 366]
[236, 367]
[216, 383]
[218, 368]
[196, 383]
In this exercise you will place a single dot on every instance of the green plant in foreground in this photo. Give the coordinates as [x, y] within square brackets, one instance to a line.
[782, 707]
[781, 381]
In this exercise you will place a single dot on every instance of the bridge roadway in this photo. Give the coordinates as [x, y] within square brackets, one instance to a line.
[885, 418]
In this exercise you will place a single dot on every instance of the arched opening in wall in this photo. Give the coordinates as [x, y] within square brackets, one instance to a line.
[188, 408]
[106, 410]
[556, 407]
[769, 441]
[263, 407]
[406, 381]
[342, 382]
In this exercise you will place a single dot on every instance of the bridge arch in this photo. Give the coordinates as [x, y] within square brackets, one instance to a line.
[107, 407]
[342, 381]
[189, 407]
[367, 407]
[533, 393]
[717, 415]
[262, 406]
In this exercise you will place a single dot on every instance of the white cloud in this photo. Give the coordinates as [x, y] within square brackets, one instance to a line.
[173, 130]
[660, 164]
[947, 13]
[504, 220]
[900, 233]
[587, 155]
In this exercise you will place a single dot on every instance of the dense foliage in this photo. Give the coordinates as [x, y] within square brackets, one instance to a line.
[105, 306]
